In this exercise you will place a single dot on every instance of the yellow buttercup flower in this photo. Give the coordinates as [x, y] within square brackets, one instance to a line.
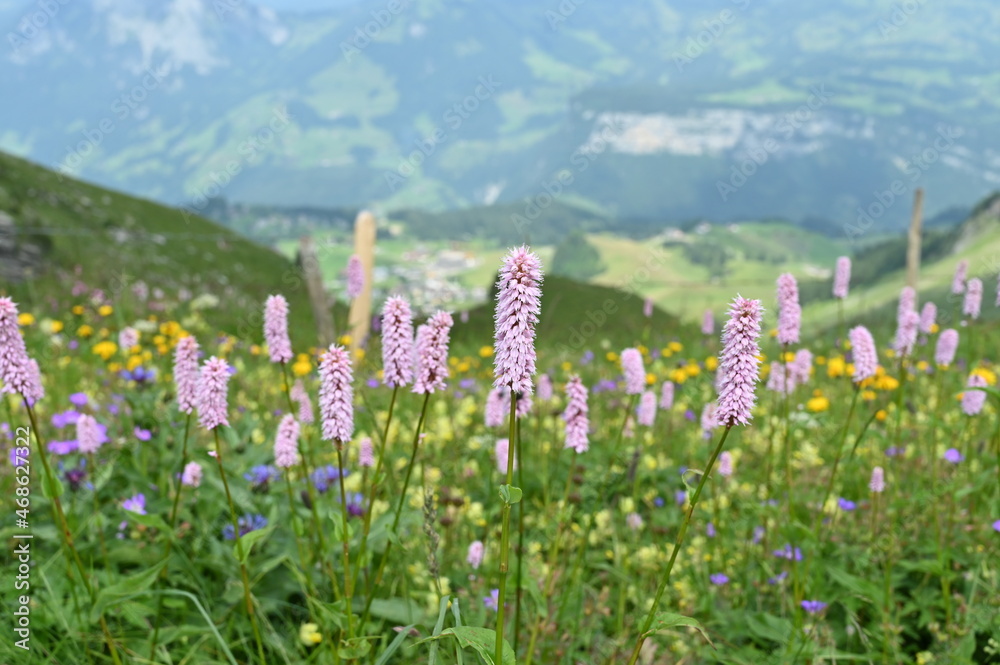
[309, 634]
[567, 366]
[77, 310]
[835, 367]
[881, 415]
[988, 374]
[345, 340]
[678, 376]
[105, 349]
[302, 365]
[692, 369]
[611, 356]
[105, 310]
[56, 327]
[817, 404]
[25, 319]
[84, 331]
[676, 347]
[486, 352]
[650, 379]
[711, 363]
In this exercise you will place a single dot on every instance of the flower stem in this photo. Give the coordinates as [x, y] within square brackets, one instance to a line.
[399, 510]
[239, 548]
[347, 540]
[836, 462]
[170, 538]
[677, 548]
[67, 535]
[505, 526]
[375, 487]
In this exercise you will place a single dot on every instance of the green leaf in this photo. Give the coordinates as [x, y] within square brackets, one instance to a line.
[510, 494]
[133, 584]
[394, 645]
[397, 610]
[438, 627]
[856, 585]
[247, 542]
[769, 627]
[52, 489]
[483, 641]
[667, 620]
[150, 520]
[354, 649]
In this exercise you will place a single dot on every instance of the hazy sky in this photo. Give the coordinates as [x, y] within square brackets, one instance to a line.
[303, 5]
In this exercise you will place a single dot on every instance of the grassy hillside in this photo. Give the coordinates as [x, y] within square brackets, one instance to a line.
[91, 238]
[977, 240]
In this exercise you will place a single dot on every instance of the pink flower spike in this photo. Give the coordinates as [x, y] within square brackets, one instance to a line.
[789, 310]
[635, 372]
[973, 298]
[864, 353]
[355, 277]
[877, 482]
[89, 435]
[519, 303]
[475, 554]
[186, 373]
[366, 454]
[576, 415]
[667, 396]
[192, 474]
[545, 390]
[336, 395]
[497, 407]
[15, 364]
[286, 444]
[739, 363]
[647, 409]
[973, 400]
[212, 400]
[707, 323]
[432, 353]
[842, 277]
[958, 281]
[279, 347]
[397, 343]
[301, 397]
[947, 344]
[906, 333]
[928, 316]
[501, 451]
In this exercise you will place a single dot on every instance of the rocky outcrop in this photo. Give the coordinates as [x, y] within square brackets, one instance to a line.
[20, 255]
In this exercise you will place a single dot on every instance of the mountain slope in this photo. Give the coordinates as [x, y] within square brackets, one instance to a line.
[646, 113]
[87, 238]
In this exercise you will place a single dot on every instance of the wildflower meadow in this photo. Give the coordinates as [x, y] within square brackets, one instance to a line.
[754, 490]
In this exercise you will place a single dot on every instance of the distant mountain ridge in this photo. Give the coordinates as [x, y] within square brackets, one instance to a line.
[655, 110]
